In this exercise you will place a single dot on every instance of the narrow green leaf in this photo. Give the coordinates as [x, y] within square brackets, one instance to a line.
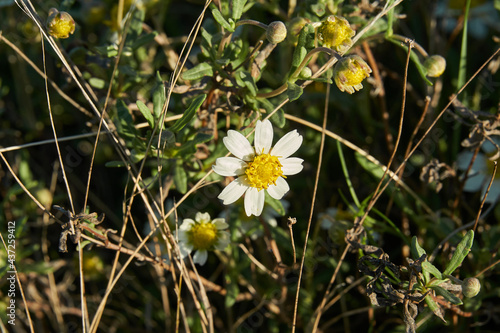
[430, 268]
[232, 291]
[115, 164]
[416, 250]
[303, 44]
[293, 91]
[238, 6]
[221, 20]
[180, 178]
[434, 307]
[146, 112]
[125, 123]
[188, 114]
[158, 97]
[460, 253]
[447, 295]
[198, 71]
[144, 39]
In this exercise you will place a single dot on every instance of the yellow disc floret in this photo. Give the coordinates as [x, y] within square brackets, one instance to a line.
[350, 72]
[263, 171]
[336, 33]
[203, 235]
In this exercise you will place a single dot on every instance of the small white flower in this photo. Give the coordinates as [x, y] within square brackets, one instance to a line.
[258, 168]
[202, 235]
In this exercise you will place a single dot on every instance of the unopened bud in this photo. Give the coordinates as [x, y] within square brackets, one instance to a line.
[435, 65]
[60, 24]
[276, 32]
[471, 287]
[350, 72]
[305, 73]
[336, 33]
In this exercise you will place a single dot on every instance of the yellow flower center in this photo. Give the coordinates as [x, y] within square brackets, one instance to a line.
[203, 235]
[263, 171]
[355, 77]
[336, 33]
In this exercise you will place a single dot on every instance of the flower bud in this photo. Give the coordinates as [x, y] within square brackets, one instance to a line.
[336, 33]
[435, 65]
[60, 24]
[276, 32]
[305, 73]
[471, 287]
[350, 72]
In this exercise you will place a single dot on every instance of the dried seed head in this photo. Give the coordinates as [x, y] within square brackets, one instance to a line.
[60, 24]
[350, 72]
[276, 32]
[435, 65]
[471, 287]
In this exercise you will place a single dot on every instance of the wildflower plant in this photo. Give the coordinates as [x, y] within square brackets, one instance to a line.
[141, 116]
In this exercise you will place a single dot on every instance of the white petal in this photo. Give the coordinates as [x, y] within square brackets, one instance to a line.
[202, 217]
[475, 182]
[229, 166]
[220, 223]
[186, 224]
[183, 236]
[494, 192]
[287, 145]
[278, 191]
[291, 165]
[233, 191]
[263, 137]
[200, 257]
[254, 201]
[223, 240]
[238, 145]
[185, 249]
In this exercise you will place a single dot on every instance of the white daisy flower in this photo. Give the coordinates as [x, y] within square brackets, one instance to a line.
[258, 168]
[202, 235]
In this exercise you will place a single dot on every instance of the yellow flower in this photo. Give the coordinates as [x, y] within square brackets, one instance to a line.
[60, 24]
[350, 72]
[336, 33]
[202, 234]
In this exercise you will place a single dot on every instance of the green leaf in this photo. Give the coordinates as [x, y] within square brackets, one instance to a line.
[238, 6]
[245, 79]
[125, 123]
[189, 113]
[460, 253]
[158, 97]
[275, 204]
[447, 295]
[416, 250]
[293, 91]
[115, 164]
[303, 45]
[232, 291]
[144, 39]
[198, 71]
[146, 112]
[180, 178]
[434, 307]
[221, 20]
[430, 268]
[97, 83]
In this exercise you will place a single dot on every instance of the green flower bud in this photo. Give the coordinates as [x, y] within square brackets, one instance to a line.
[305, 73]
[276, 32]
[435, 65]
[471, 287]
[336, 33]
[295, 27]
[350, 72]
[60, 24]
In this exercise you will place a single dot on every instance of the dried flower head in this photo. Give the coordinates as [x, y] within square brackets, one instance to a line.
[350, 72]
[336, 33]
[276, 32]
[60, 24]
